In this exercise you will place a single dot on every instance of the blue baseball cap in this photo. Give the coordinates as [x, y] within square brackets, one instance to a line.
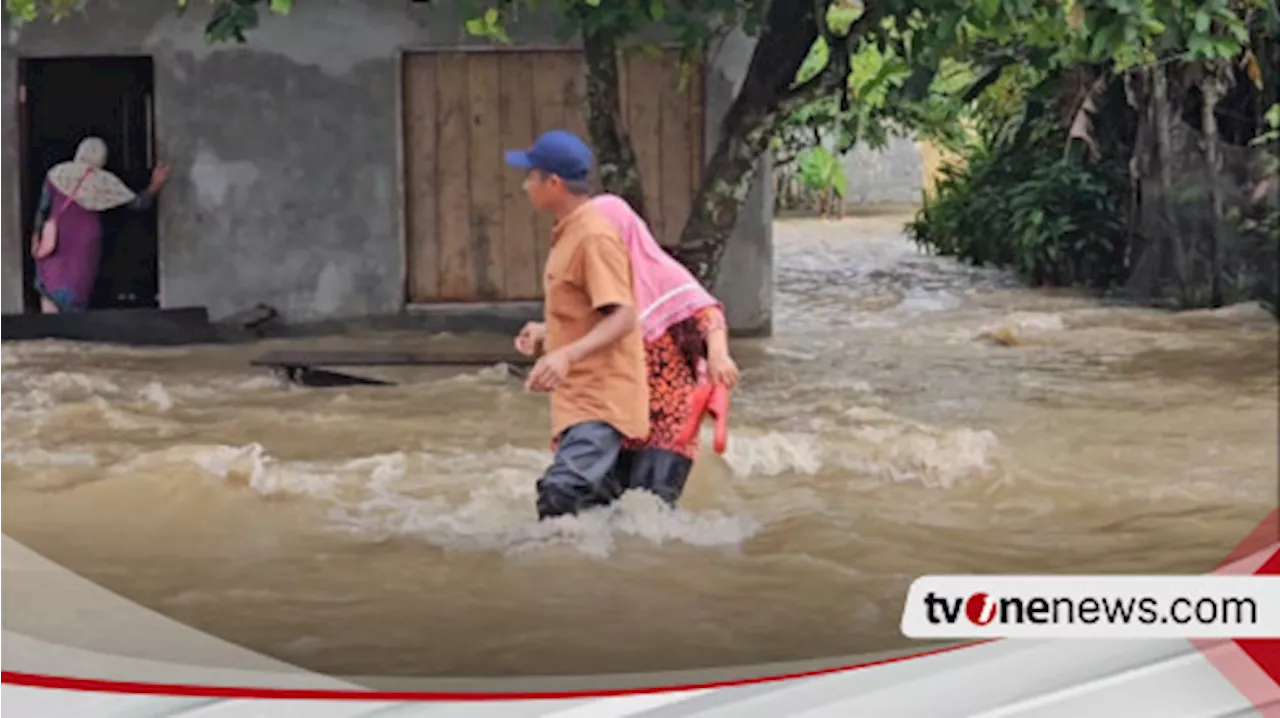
[555, 152]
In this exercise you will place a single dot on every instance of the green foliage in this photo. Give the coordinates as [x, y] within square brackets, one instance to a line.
[231, 20]
[936, 67]
[888, 91]
[821, 172]
[1020, 202]
[691, 24]
[1271, 133]
[489, 24]
[1024, 196]
[24, 11]
[1257, 223]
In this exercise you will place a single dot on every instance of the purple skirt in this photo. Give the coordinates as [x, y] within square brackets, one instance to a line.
[67, 276]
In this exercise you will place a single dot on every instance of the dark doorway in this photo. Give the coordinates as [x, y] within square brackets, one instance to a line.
[63, 101]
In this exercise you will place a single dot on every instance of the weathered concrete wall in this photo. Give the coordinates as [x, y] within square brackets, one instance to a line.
[745, 282]
[892, 175]
[286, 184]
[11, 247]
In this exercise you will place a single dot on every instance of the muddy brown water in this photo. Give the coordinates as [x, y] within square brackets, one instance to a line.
[910, 416]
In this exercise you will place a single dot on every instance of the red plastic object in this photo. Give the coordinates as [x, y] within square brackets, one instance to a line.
[711, 399]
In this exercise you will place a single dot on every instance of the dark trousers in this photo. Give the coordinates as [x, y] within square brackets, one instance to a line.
[591, 469]
[657, 470]
[582, 473]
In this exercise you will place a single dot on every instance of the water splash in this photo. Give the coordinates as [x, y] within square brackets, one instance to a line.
[872, 444]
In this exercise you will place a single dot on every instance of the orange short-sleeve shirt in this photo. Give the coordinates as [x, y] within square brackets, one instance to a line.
[588, 268]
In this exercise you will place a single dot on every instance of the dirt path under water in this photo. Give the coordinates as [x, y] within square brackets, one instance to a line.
[910, 416]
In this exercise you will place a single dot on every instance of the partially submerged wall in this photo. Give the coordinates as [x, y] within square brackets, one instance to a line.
[894, 174]
[283, 152]
[286, 184]
[745, 281]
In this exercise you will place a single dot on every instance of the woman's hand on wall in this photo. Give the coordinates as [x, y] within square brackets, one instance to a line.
[159, 176]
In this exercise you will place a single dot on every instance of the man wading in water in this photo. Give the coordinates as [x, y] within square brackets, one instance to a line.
[594, 366]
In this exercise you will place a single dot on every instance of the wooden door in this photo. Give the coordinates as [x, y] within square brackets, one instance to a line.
[471, 233]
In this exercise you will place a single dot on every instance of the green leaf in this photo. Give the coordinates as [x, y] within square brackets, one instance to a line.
[1272, 116]
[24, 10]
[1225, 47]
[657, 10]
[281, 7]
[229, 21]
[1202, 21]
[1152, 26]
[946, 27]
[1198, 46]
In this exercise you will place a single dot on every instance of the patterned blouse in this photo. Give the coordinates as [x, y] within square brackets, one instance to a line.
[672, 379]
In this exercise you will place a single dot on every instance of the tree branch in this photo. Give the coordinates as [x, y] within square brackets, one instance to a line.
[836, 73]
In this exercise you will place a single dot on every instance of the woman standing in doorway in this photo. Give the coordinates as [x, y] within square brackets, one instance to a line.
[686, 340]
[67, 255]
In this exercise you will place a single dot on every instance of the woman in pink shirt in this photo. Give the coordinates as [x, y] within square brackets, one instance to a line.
[686, 341]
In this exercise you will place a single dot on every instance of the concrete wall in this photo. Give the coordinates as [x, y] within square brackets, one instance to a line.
[286, 184]
[892, 175]
[745, 281]
[11, 251]
[898, 174]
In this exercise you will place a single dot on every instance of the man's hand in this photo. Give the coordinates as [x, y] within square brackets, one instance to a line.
[530, 337]
[548, 372]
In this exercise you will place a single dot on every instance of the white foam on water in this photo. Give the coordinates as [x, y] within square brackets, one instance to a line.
[921, 301]
[155, 394]
[250, 465]
[451, 499]
[123, 419]
[877, 445]
[1022, 327]
[32, 395]
[773, 453]
[1253, 312]
[27, 406]
[785, 353]
[499, 373]
[23, 351]
[496, 511]
[69, 382]
[42, 457]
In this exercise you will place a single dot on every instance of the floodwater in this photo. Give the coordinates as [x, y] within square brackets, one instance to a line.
[910, 416]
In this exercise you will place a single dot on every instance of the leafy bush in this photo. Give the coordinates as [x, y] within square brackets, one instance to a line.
[1026, 200]
[1257, 223]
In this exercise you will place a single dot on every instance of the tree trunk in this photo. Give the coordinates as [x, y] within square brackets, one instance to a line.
[1164, 116]
[1212, 86]
[615, 157]
[768, 93]
[1137, 91]
[725, 184]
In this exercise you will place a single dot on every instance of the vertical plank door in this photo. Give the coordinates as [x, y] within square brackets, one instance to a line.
[470, 232]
